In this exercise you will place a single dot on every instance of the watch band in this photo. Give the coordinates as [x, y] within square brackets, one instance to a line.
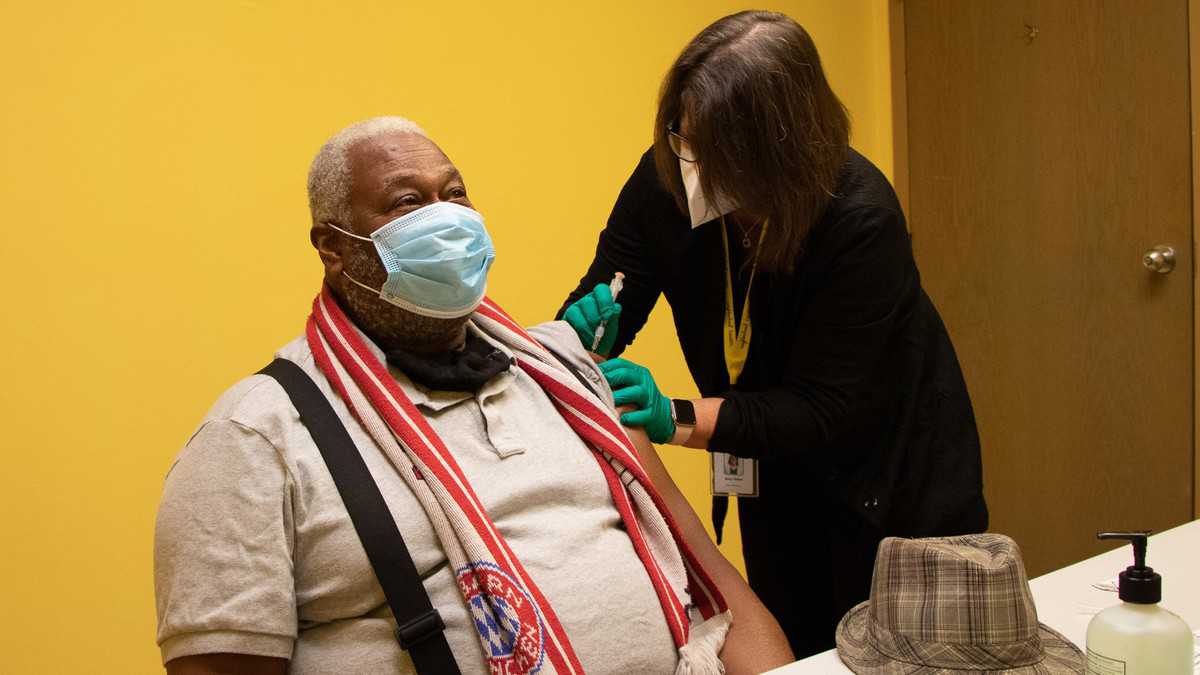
[682, 435]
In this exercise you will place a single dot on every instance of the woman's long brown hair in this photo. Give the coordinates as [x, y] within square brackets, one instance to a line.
[765, 127]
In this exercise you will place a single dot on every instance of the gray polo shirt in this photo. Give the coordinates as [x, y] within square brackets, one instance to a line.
[255, 553]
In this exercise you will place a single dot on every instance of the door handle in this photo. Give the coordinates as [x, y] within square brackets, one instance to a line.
[1159, 259]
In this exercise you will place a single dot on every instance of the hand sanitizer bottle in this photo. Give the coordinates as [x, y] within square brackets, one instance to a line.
[1137, 636]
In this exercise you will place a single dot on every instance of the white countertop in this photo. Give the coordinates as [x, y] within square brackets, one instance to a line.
[1066, 600]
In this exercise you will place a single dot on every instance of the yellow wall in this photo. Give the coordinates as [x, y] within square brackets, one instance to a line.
[152, 164]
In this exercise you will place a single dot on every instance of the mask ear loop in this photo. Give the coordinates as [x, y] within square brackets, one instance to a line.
[348, 234]
[377, 291]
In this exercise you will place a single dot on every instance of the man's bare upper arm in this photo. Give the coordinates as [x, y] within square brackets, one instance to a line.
[755, 642]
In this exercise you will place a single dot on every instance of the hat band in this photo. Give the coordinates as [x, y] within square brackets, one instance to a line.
[953, 655]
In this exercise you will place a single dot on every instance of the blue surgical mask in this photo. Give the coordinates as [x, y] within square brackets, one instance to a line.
[437, 260]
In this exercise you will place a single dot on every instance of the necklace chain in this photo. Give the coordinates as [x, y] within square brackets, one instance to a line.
[746, 243]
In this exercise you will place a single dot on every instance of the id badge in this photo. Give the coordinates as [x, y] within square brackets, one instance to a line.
[733, 476]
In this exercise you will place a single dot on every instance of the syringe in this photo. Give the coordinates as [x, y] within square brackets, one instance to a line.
[615, 286]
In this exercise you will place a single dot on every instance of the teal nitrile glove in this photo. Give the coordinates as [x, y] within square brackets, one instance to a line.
[634, 385]
[588, 312]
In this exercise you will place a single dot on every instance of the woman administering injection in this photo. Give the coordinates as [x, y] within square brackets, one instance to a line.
[824, 367]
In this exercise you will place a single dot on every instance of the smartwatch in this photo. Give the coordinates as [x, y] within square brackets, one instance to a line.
[684, 415]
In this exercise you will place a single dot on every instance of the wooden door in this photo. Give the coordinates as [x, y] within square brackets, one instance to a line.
[1048, 147]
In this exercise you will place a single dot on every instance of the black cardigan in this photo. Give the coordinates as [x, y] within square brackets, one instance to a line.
[851, 385]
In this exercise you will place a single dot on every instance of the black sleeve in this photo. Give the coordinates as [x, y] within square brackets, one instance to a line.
[842, 335]
[624, 247]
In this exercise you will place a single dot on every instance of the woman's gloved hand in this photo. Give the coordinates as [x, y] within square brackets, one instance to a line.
[634, 385]
[588, 312]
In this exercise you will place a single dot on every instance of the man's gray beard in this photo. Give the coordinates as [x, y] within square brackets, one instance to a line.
[393, 327]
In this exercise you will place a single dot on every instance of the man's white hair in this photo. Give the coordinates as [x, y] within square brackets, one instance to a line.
[329, 175]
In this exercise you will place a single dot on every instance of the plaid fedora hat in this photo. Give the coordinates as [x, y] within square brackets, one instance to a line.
[949, 605]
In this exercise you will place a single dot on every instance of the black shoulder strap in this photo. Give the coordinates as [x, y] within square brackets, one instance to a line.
[420, 629]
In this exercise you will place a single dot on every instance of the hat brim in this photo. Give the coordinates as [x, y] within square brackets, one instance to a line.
[1060, 655]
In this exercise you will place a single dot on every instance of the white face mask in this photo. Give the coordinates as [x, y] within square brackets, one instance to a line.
[698, 207]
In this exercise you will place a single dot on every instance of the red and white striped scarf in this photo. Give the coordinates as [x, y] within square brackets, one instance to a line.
[519, 629]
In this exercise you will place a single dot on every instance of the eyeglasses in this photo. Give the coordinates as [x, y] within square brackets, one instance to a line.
[679, 144]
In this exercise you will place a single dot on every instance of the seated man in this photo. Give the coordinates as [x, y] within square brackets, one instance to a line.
[546, 539]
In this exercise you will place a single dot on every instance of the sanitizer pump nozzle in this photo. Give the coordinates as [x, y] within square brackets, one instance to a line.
[1138, 583]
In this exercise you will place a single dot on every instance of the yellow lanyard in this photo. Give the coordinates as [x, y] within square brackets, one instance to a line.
[737, 332]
